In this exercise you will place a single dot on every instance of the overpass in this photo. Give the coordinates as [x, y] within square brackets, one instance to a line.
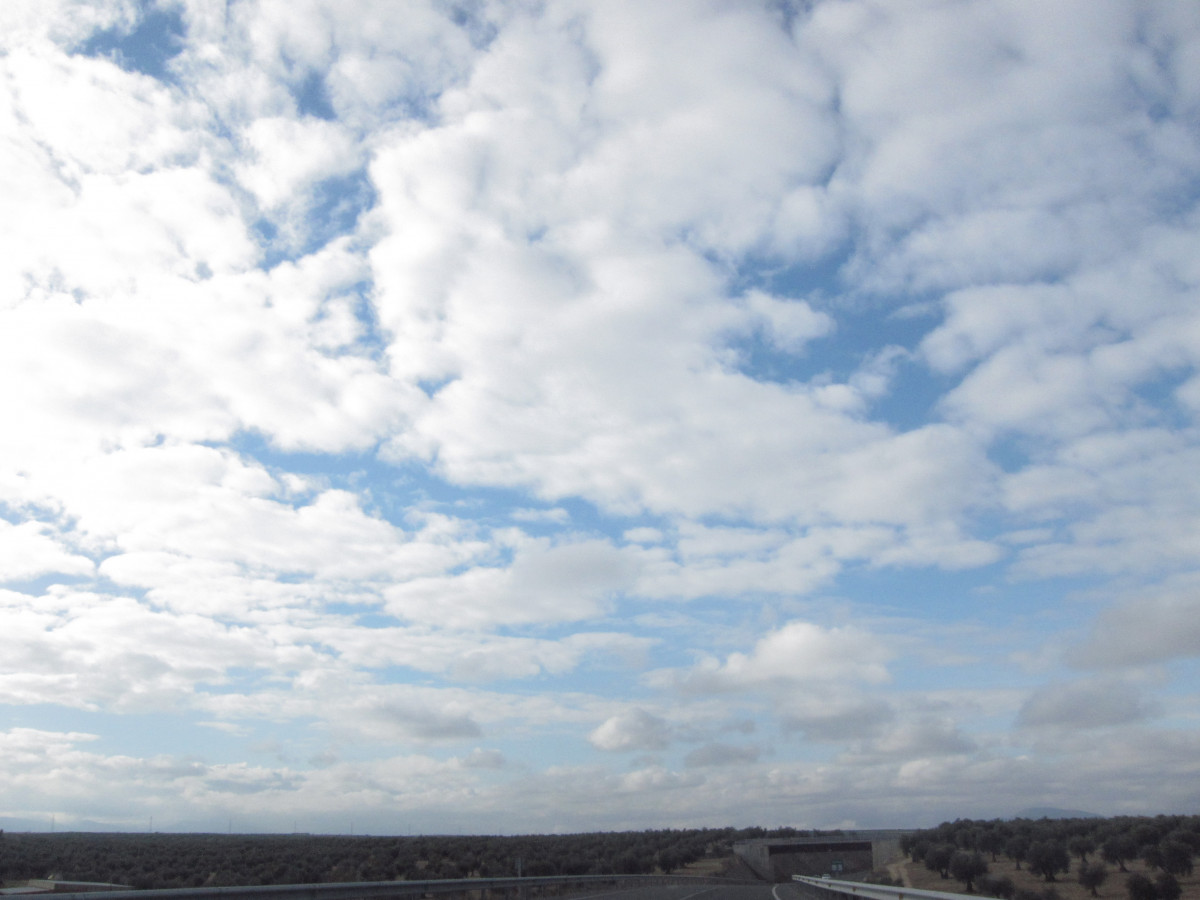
[849, 854]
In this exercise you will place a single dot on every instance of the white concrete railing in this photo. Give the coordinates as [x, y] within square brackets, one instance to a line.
[874, 891]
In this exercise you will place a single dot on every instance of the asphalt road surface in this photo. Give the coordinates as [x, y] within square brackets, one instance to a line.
[707, 892]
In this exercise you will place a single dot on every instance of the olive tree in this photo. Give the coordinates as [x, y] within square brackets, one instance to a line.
[937, 859]
[966, 867]
[1017, 849]
[1140, 887]
[1118, 850]
[1048, 858]
[1166, 887]
[1081, 845]
[1175, 857]
[1092, 875]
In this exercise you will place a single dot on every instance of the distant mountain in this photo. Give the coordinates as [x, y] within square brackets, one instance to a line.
[43, 826]
[1053, 812]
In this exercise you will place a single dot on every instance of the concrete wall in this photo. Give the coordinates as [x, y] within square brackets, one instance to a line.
[885, 847]
[755, 855]
[779, 860]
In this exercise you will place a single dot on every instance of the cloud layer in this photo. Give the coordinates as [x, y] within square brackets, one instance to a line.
[667, 414]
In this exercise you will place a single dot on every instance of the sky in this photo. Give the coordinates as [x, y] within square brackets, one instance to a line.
[499, 416]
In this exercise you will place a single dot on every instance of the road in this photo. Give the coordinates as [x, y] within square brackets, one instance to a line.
[708, 892]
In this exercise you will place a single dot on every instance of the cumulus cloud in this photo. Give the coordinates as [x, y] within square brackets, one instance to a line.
[291, 154]
[788, 324]
[632, 730]
[30, 549]
[93, 651]
[799, 653]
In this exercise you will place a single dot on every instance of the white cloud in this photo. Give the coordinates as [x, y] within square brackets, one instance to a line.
[710, 115]
[101, 161]
[788, 324]
[467, 656]
[65, 21]
[387, 719]
[835, 715]
[91, 651]
[1126, 496]
[603, 315]
[799, 653]
[923, 738]
[211, 504]
[484, 759]
[545, 583]
[29, 549]
[643, 535]
[1083, 705]
[722, 755]
[632, 730]
[289, 155]
[1152, 625]
[557, 515]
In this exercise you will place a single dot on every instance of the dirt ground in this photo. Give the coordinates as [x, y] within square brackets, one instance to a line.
[717, 866]
[1068, 886]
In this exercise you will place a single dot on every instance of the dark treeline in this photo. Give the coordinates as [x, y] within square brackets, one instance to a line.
[1164, 846]
[212, 860]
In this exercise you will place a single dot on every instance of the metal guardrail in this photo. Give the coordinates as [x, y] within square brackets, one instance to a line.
[387, 890]
[871, 891]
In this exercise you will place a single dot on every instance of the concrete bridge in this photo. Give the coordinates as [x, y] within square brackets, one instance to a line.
[849, 854]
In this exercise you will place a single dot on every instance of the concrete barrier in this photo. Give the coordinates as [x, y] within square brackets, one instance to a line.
[401, 890]
[832, 889]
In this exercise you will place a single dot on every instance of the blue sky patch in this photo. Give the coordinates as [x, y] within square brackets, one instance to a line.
[156, 39]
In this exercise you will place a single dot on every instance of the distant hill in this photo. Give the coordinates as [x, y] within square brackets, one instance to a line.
[1053, 812]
